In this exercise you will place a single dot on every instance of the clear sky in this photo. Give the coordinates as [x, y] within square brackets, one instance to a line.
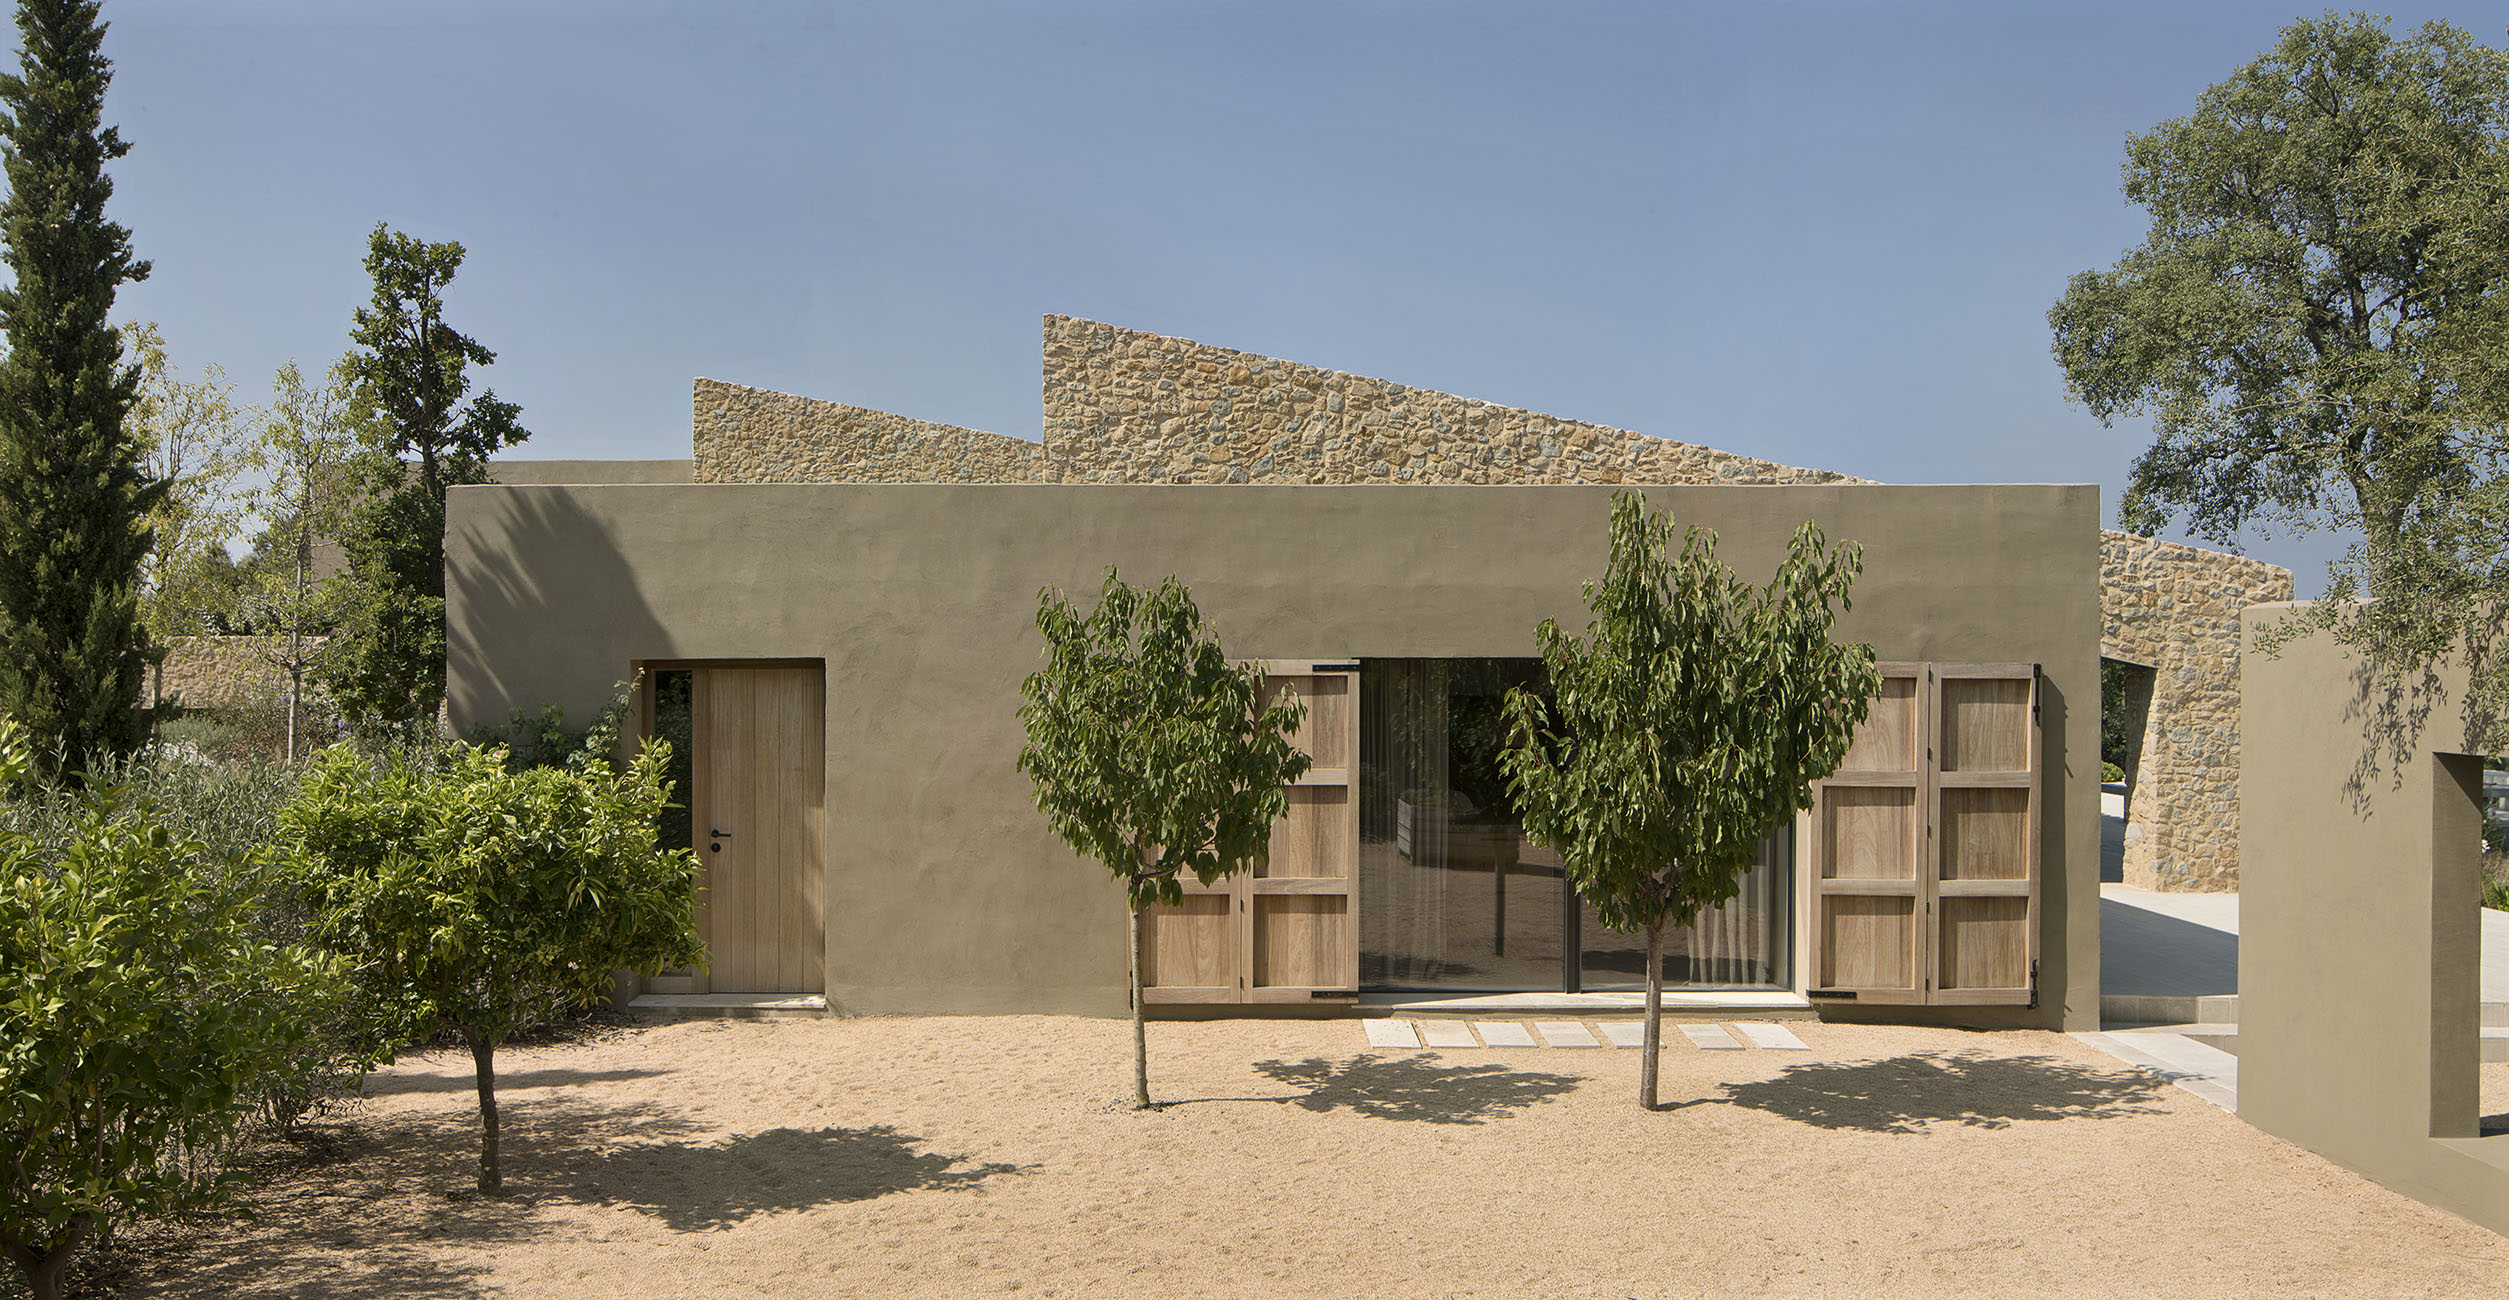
[1822, 233]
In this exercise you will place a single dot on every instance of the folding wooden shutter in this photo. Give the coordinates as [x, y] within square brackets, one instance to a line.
[1985, 863]
[1925, 848]
[1299, 907]
[1868, 827]
[1286, 931]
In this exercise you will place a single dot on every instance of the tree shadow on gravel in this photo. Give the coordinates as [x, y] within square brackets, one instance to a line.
[1414, 1088]
[694, 1188]
[388, 1085]
[1910, 1094]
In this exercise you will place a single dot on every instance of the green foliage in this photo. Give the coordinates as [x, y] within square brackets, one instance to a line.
[301, 450]
[2315, 325]
[2110, 773]
[2116, 740]
[1687, 725]
[543, 739]
[191, 439]
[141, 1015]
[1150, 751]
[422, 433]
[73, 500]
[489, 900]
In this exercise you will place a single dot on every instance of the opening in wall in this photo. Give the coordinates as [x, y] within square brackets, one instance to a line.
[1453, 897]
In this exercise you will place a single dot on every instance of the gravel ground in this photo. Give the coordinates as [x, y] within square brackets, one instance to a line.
[950, 1157]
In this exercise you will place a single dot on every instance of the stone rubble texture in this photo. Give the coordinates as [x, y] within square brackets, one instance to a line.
[222, 673]
[1125, 406]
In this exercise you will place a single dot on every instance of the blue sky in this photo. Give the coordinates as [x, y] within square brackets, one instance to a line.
[1822, 233]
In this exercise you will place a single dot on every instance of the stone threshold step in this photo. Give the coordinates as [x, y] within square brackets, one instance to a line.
[1757, 1004]
[2221, 1009]
[744, 1006]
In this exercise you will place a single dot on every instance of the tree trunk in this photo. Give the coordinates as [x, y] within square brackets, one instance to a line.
[1141, 1034]
[1655, 1015]
[483, 1061]
[43, 1271]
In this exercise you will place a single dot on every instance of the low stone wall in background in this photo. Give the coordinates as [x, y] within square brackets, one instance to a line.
[224, 673]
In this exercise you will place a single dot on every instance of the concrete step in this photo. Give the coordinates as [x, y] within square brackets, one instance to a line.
[740, 1006]
[2225, 1037]
[2219, 1009]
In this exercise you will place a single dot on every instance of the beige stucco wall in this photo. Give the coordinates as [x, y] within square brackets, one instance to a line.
[946, 892]
[751, 435]
[2360, 943]
[1126, 406]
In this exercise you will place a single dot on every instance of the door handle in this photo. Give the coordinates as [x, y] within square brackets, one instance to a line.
[719, 837]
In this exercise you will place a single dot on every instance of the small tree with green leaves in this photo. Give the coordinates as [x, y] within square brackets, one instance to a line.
[192, 439]
[1691, 721]
[141, 1015]
[1152, 753]
[491, 900]
[302, 450]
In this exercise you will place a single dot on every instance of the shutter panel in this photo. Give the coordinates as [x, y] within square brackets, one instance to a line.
[1868, 830]
[1300, 905]
[1287, 929]
[1985, 861]
[1925, 848]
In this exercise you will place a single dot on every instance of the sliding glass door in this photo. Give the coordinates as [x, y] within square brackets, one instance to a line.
[1453, 897]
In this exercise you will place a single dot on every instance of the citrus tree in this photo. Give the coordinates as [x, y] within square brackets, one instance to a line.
[1152, 753]
[140, 1012]
[1688, 725]
[489, 900]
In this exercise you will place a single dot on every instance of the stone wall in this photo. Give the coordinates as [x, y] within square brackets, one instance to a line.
[1123, 406]
[751, 435]
[2175, 610]
[222, 672]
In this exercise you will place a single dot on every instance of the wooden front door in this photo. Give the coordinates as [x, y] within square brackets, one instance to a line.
[758, 819]
[1287, 930]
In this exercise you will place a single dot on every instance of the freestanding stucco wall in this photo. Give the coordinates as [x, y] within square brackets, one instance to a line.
[2360, 948]
[946, 892]
[1125, 406]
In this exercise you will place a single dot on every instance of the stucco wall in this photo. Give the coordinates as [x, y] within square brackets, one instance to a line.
[946, 892]
[751, 435]
[2360, 946]
[1125, 406]
[2175, 610]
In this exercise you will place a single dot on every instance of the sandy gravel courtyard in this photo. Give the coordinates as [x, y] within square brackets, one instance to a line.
[948, 1157]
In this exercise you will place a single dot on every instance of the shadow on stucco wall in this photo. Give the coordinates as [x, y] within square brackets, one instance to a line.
[541, 607]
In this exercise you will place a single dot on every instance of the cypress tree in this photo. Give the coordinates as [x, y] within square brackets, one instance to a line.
[72, 495]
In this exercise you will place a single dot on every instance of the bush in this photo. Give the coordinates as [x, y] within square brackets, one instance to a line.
[139, 1014]
[2110, 773]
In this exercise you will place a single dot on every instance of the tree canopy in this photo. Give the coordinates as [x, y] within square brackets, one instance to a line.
[1151, 752]
[1689, 724]
[2317, 323]
[424, 432]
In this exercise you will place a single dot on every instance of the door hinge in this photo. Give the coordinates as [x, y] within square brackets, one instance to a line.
[2037, 676]
[2034, 983]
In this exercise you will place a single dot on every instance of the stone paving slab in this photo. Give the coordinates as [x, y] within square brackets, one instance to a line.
[1504, 1033]
[1625, 1033]
[1710, 1037]
[1447, 1033]
[1391, 1033]
[1566, 1033]
[1774, 1037]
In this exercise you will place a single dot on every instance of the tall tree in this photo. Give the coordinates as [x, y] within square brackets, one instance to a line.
[191, 438]
[73, 499]
[424, 433]
[1152, 753]
[301, 449]
[1692, 720]
[2318, 326]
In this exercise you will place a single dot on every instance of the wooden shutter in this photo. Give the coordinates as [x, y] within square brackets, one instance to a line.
[1925, 849]
[1286, 930]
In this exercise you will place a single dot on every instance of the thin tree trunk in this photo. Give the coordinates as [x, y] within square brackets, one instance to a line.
[43, 1272]
[483, 1061]
[1655, 1014]
[1141, 1034]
